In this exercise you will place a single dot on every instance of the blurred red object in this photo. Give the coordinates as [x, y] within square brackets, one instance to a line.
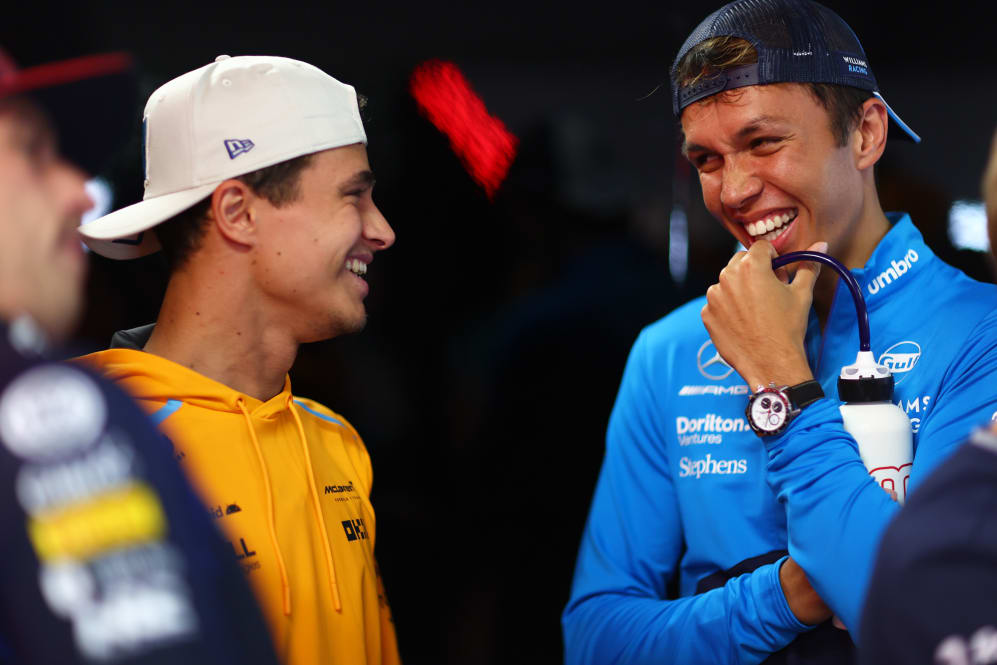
[480, 140]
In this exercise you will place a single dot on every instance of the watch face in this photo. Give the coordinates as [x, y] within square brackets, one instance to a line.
[768, 410]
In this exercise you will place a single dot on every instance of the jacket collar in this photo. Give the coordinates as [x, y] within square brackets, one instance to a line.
[897, 259]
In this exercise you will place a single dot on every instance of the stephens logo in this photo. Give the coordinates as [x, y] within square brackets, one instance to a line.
[710, 364]
[708, 466]
[893, 273]
[901, 358]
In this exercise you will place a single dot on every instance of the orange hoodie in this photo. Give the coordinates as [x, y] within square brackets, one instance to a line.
[288, 481]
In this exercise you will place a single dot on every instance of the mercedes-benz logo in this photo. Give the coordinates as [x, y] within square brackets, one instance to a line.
[711, 365]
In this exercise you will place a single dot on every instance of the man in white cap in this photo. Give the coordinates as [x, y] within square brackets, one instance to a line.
[258, 190]
[107, 554]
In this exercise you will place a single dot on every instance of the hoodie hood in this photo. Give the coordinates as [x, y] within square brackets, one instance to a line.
[150, 377]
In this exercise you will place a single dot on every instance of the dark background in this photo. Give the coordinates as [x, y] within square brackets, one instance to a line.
[498, 329]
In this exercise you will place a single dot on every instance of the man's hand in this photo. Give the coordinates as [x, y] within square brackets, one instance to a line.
[804, 602]
[757, 320]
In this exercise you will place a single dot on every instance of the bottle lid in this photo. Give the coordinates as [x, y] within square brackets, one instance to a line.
[865, 381]
[866, 389]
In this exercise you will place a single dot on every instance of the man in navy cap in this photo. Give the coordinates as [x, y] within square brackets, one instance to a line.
[107, 553]
[721, 533]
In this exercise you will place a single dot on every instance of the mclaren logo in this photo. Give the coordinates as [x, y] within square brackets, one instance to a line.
[901, 358]
[710, 364]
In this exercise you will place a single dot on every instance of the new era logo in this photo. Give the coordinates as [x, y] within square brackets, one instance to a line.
[236, 147]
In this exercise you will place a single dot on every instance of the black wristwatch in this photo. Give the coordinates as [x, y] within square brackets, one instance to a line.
[771, 409]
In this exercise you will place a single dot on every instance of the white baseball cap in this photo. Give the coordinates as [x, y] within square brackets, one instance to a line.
[221, 121]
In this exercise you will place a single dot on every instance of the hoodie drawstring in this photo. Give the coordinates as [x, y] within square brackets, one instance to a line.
[270, 507]
[329, 563]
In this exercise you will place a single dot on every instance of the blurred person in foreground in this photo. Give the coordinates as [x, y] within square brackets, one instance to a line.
[258, 190]
[933, 593]
[684, 555]
[108, 556]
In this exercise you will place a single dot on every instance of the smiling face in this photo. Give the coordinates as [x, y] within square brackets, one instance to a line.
[771, 168]
[42, 198]
[313, 253]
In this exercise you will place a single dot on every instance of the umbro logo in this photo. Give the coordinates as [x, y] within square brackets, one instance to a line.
[236, 147]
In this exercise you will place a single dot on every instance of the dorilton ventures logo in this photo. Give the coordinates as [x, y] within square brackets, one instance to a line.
[708, 429]
[710, 364]
[711, 422]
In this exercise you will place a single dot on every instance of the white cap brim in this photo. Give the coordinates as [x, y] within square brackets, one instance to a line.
[122, 233]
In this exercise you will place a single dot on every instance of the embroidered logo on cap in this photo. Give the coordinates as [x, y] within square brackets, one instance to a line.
[236, 147]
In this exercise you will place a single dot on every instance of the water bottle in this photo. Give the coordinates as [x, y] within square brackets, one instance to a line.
[880, 427]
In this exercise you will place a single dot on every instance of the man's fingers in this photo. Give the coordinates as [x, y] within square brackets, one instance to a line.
[808, 271]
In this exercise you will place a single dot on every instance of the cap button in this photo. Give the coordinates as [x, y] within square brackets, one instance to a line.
[222, 57]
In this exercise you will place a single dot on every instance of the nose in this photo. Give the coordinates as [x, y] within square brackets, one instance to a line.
[376, 229]
[72, 186]
[740, 184]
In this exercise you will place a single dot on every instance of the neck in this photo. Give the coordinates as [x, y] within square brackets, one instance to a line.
[218, 329]
[855, 253]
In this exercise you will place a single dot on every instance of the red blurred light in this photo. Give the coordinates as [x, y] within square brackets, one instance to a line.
[480, 140]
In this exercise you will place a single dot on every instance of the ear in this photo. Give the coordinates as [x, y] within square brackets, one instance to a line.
[233, 212]
[869, 136]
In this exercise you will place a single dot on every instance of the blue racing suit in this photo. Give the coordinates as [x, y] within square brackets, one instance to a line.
[687, 490]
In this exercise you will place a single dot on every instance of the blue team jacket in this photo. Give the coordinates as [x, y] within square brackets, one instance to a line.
[687, 489]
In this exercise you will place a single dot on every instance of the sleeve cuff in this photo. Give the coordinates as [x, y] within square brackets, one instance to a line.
[780, 603]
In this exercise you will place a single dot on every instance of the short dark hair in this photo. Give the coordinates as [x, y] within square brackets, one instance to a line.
[843, 103]
[180, 236]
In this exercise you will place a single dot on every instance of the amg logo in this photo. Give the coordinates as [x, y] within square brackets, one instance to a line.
[713, 390]
[336, 489]
[355, 529]
[893, 273]
[711, 467]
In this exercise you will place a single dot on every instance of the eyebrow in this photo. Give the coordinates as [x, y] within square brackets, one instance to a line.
[363, 179]
[753, 125]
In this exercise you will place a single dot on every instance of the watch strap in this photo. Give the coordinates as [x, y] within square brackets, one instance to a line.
[804, 394]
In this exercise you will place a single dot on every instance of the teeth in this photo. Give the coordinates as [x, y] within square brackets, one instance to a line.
[767, 226]
[356, 266]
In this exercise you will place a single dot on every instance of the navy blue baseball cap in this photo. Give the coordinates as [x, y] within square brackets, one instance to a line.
[797, 41]
[88, 99]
